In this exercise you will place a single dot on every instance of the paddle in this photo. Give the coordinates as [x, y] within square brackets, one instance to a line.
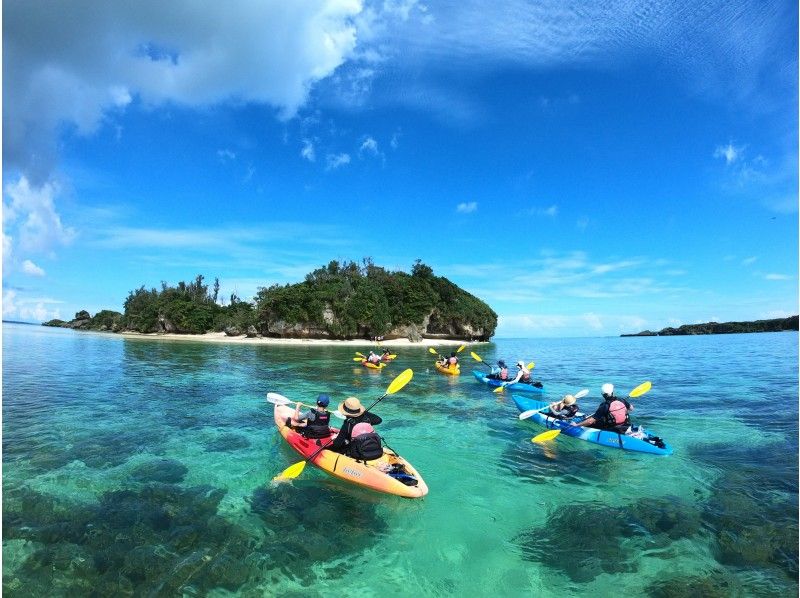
[636, 392]
[526, 414]
[361, 355]
[502, 387]
[276, 399]
[477, 358]
[296, 469]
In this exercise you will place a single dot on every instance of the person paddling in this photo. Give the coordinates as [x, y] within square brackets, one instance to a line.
[452, 361]
[612, 414]
[566, 408]
[500, 372]
[354, 413]
[373, 358]
[314, 423]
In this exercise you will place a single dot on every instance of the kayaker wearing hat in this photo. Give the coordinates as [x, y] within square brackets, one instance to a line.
[612, 414]
[314, 423]
[566, 408]
[500, 372]
[354, 413]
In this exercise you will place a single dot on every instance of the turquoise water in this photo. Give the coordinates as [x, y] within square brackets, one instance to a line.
[143, 467]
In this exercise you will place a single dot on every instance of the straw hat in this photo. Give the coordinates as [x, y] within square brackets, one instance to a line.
[351, 407]
[568, 400]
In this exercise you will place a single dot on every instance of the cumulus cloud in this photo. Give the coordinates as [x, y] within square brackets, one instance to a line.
[334, 161]
[31, 269]
[31, 216]
[75, 64]
[730, 152]
[38, 309]
[467, 207]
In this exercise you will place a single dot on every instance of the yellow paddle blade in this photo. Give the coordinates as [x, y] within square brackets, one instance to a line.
[358, 359]
[399, 382]
[545, 436]
[359, 354]
[461, 348]
[499, 389]
[432, 351]
[291, 472]
[641, 389]
[392, 356]
[475, 356]
[531, 365]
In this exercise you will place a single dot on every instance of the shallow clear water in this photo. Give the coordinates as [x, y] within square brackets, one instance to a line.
[143, 467]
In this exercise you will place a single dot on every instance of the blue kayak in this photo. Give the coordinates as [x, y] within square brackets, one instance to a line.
[518, 387]
[649, 444]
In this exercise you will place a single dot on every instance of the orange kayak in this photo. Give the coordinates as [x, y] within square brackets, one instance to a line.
[390, 474]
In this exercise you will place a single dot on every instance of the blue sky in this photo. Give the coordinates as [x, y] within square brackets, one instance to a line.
[586, 171]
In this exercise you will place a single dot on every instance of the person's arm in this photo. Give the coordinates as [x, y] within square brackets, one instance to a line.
[584, 423]
[515, 380]
[344, 435]
[372, 419]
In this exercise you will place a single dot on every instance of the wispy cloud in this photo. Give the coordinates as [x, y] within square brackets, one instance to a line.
[467, 207]
[307, 151]
[749, 260]
[730, 152]
[777, 277]
[335, 161]
[226, 155]
[31, 269]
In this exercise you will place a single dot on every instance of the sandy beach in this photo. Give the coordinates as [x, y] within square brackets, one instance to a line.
[221, 337]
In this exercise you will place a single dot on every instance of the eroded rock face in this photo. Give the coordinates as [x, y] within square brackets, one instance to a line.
[251, 331]
[232, 331]
[164, 325]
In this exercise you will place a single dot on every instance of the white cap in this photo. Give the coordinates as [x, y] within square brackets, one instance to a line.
[607, 389]
[520, 364]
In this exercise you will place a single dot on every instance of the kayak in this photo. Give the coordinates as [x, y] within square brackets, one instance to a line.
[373, 366]
[649, 444]
[400, 479]
[448, 370]
[518, 387]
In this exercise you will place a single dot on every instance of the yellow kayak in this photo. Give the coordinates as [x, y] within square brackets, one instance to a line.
[390, 474]
[448, 370]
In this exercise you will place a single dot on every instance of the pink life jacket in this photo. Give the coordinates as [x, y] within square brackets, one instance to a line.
[452, 361]
[504, 374]
[618, 412]
[361, 428]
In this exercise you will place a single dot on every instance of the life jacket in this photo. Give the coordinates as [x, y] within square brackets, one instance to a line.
[526, 376]
[504, 373]
[366, 447]
[616, 413]
[452, 361]
[318, 427]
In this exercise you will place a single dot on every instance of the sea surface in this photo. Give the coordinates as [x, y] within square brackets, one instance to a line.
[143, 467]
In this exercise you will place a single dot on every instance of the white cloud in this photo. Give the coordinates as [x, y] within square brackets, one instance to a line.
[226, 155]
[308, 151]
[31, 215]
[467, 207]
[76, 63]
[369, 145]
[730, 152]
[37, 309]
[334, 161]
[28, 267]
[749, 260]
[777, 277]
[551, 211]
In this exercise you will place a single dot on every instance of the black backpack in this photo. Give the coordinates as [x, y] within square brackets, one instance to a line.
[366, 447]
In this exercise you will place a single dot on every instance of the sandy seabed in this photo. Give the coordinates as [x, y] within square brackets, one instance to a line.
[221, 337]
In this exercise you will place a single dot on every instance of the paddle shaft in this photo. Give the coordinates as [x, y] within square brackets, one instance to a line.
[327, 444]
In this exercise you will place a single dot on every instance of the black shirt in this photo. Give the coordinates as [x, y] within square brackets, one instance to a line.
[346, 431]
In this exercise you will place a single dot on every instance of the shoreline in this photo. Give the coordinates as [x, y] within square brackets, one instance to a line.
[221, 337]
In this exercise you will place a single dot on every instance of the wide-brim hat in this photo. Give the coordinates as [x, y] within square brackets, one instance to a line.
[351, 407]
[568, 400]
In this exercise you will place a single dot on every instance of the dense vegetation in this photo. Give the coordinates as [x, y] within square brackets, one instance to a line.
[347, 300]
[775, 325]
[340, 301]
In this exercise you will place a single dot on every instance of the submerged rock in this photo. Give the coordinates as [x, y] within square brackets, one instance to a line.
[168, 471]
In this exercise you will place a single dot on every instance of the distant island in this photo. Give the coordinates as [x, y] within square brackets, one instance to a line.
[775, 325]
[338, 302]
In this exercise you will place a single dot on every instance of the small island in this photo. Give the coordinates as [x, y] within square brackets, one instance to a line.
[774, 325]
[342, 302]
